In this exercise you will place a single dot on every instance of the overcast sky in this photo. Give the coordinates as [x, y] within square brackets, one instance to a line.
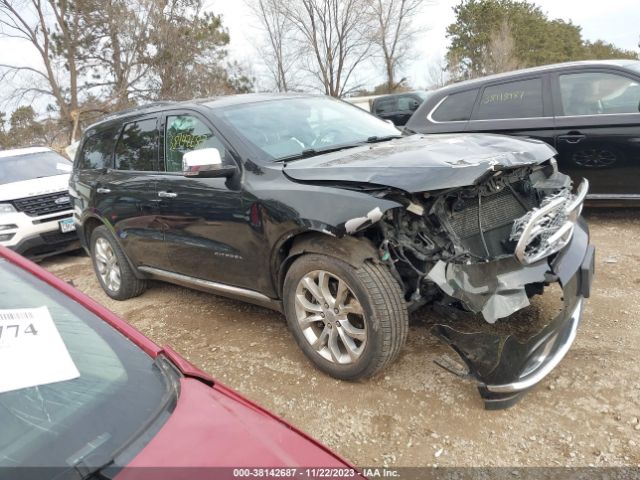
[614, 21]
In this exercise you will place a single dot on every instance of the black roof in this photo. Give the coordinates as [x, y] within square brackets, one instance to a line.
[541, 69]
[211, 103]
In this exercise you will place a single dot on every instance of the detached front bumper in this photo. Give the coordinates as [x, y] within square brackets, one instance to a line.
[506, 368]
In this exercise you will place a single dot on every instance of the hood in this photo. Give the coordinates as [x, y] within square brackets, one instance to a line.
[34, 187]
[422, 162]
[211, 428]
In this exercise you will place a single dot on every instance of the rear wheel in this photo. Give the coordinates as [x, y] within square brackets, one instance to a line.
[350, 322]
[114, 273]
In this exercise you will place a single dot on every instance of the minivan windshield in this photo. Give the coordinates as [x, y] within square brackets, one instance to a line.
[119, 390]
[286, 127]
[32, 165]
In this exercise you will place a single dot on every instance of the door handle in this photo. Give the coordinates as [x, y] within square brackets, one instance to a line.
[163, 194]
[572, 137]
[103, 190]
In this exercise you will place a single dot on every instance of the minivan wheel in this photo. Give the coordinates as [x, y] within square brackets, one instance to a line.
[114, 273]
[350, 322]
[596, 158]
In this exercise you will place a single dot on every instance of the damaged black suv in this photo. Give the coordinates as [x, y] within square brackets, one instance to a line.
[315, 208]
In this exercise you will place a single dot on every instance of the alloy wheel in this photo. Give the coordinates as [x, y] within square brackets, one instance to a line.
[594, 158]
[107, 264]
[330, 317]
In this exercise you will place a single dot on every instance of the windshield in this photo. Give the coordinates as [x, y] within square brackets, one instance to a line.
[119, 390]
[32, 165]
[289, 126]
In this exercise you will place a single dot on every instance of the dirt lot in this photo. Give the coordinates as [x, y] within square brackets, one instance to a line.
[586, 412]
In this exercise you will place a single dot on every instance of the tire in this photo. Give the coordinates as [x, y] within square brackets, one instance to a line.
[371, 323]
[107, 257]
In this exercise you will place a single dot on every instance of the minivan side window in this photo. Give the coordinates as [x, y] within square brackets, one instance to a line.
[97, 151]
[521, 99]
[137, 147]
[185, 133]
[594, 93]
[456, 107]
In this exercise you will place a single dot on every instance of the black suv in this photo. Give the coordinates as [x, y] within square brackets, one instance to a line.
[398, 107]
[318, 209]
[589, 111]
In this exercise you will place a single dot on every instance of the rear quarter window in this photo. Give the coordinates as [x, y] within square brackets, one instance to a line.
[456, 107]
[521, 99]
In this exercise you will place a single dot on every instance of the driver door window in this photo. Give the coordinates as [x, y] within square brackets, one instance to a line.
[595, 93]
[186, 133]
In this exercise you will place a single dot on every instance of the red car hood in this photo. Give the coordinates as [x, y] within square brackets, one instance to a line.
[214, 427]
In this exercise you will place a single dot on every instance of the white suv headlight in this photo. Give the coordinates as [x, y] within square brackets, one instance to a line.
[6, 208]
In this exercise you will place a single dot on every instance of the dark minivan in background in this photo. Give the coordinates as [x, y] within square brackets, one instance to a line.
[589, 111]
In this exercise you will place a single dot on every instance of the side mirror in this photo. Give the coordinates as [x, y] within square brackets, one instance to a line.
[206, 162]
[414, 105]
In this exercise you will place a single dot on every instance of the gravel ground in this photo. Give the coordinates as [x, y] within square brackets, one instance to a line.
[585, 413]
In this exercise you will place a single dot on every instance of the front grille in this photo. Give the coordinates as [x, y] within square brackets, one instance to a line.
[43, 204]
[498, 209]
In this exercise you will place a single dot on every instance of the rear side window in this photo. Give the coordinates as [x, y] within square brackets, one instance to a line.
[456, 107]
[137, 147]
[97, 150]
[522, 99]
[386, 105]
[594, 93]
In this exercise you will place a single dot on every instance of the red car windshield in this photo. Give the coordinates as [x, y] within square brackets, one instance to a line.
[119, 395]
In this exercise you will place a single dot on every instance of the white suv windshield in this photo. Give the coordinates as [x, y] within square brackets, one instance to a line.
[289, 126]
[32, 165]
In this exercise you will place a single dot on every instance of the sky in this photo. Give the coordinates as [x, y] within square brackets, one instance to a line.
[614, 21]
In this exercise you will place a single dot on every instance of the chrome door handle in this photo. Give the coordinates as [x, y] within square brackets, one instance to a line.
[163, 194]
[103, 190]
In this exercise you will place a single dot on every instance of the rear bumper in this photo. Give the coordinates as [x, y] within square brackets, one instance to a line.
[506, 368]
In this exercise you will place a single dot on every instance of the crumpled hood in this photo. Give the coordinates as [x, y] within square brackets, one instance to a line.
[422, 162]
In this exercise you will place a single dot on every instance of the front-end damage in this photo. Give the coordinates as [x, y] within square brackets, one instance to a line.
[487, 248]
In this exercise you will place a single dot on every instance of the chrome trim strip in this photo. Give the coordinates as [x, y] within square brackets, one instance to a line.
[546, 363]
[613, 196]
[215, 287]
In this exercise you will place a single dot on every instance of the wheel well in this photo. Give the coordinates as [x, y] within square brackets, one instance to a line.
[353, 250]
[89, 226]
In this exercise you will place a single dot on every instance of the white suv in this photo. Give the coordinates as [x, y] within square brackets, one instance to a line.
[35, 212]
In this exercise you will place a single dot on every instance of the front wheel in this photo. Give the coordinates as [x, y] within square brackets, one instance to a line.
[350, 322]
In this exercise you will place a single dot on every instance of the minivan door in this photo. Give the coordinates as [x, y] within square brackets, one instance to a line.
[519, 107]
[597, 120]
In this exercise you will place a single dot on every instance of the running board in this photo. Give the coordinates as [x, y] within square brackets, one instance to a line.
[229, 291]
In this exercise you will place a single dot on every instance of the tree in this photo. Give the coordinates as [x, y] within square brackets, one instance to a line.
[277, 52]
[395, 33]
[536, 40]
[336, 34]
[193, 65]
[52, 28]
[500, 55]
[600, 50]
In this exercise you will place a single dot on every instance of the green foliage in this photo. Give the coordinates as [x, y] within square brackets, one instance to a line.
[538, 40]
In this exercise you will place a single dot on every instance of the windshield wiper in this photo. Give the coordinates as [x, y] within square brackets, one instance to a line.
[376, 139]
[312, 152]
